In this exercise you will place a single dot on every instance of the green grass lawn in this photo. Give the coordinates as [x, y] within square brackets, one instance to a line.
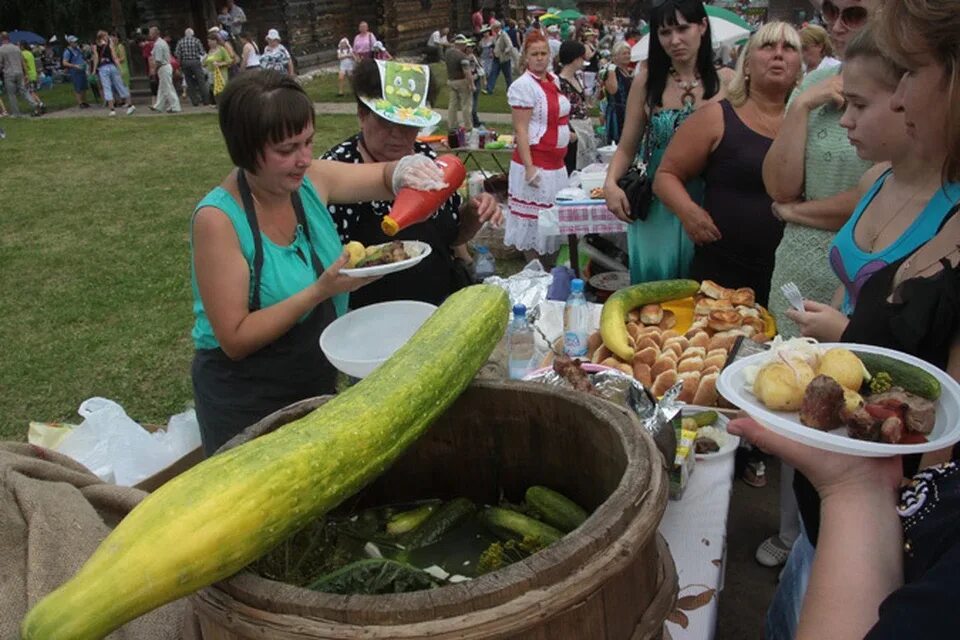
[94, 260]
[323, 88]
[58, 97]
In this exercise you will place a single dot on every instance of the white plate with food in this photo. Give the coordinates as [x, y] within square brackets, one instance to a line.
[904, 405]
[712, 441]
[381, 259]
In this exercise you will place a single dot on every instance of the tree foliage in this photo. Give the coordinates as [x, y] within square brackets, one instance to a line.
[48, 17]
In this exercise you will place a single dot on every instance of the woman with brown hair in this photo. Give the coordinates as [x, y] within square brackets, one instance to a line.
[887, 562]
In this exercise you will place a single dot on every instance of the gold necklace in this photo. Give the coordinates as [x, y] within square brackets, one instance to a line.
[896, 214]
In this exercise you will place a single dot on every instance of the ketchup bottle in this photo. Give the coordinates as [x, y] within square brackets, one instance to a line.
[413, 206]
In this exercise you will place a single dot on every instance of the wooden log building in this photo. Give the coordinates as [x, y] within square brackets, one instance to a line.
[311, 29]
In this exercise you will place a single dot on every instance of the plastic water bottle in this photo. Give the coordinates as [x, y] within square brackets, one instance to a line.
[484, 265]
[520, 344]
[575, 319]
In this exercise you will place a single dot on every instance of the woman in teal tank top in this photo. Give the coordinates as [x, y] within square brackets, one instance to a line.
[679, 78]
[266, 257]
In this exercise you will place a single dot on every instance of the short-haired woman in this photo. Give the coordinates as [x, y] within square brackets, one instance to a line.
[266, 257]
[817, 50]
[617, 78]
[735, 230]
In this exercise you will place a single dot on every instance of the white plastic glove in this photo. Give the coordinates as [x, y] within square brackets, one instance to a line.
[417, 172]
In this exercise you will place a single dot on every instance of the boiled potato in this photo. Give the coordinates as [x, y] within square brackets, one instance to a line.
[356, 252]
[844, 367]
[780, 387]
[852, 400]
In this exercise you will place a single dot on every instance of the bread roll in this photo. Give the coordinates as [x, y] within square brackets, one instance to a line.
[708, 370]
[663, 382]
[699, 339]
[690, 364]
[634, 316]
[626, 368]
[646, 343]
[724, 320]
[669, 333]
[601, 354]
[722, 341]
[691, 381]
[692, 351]
[718, 352]
[758, 324]
[679, 340]
[715, 361]
[642, 373]
[747, 312]
[647, 356]
[651, 314]
[714, 290]
[664, 363]
[631, 342]
[744, 296]
[633, 329]
[593, 342]
[669, 320]
[653, 333]
[674, 347]
[611, 362]
[707, 395]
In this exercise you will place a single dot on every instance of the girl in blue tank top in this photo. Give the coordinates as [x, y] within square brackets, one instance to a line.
[905, 205]
[854, 265]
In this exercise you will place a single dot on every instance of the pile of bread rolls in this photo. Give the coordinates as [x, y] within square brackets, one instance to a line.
[662, 356]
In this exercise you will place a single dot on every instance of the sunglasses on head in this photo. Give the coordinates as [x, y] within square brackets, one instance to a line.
[851, 17]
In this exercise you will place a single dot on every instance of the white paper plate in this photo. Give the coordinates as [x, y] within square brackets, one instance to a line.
[946, 430]
[418, 250]
[732, 441]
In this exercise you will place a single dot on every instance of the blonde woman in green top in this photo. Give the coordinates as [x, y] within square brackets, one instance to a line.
[812, 172]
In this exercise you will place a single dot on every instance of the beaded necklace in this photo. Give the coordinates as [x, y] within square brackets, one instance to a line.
[687, 97]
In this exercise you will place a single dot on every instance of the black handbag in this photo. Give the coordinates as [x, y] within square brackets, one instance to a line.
[637, 185]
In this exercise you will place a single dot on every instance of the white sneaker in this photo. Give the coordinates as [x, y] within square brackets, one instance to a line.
[112, 112]
[772, 552]
[130, 110]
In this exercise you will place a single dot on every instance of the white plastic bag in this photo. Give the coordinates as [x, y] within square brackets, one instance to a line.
[119, 450]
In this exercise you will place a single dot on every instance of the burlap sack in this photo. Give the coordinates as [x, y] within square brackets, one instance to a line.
[53, 515]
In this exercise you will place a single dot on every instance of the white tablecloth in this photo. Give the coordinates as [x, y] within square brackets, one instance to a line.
[695, 526]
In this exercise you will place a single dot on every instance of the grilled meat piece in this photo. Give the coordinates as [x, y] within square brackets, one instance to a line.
[861, 425]
[891, 430]
[569, 369]
[821, 404]
[919, 413]
[705, 445]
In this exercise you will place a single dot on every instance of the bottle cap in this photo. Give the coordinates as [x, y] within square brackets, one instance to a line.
[519, 311]
[482, 249]
[576, 285]
[389, 226]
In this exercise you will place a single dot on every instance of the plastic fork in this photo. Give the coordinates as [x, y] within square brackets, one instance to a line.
[792, 293]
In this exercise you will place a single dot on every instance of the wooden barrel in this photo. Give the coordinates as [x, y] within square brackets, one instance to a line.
[611, 579]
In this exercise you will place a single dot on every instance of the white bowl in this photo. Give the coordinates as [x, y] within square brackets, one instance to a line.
[358, 342]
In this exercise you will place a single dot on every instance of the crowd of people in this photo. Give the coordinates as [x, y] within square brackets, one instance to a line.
[813, 155]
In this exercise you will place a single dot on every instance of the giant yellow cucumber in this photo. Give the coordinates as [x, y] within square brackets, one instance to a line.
[213, 520]
[613, 329]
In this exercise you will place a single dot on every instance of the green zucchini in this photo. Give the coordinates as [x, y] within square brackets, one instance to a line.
[557, 509]
[908, 377]
[213, 520]
[446, 517]
[508, 523]
[407, 521]
[613, 328]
